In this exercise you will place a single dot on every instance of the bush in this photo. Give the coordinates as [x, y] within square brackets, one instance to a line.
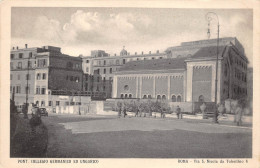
[35, 121]
[144, 106]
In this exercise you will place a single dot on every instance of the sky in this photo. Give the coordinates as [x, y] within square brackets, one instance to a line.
[80, 30]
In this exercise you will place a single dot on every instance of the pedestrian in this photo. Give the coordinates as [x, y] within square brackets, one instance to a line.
[238, 116]
[136, 112]
[124, 111]
[161, 112]
[179, 115]
[119, 112]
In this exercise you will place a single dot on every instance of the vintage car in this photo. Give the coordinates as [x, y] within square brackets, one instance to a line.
[43, 112]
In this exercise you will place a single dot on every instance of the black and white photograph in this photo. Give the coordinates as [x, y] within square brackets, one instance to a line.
[101, 82]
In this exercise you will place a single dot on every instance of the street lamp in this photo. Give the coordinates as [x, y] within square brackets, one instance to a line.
[209, 16]
[27, 88]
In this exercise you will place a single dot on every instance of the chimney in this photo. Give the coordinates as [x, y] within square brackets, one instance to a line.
[13, 48]
[157, 51]
[150, 52]
[17, 47]
[26, 45]
[135, 53]
[142, 53]
[115, 54]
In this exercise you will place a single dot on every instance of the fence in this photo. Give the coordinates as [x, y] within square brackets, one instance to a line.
[84, 108]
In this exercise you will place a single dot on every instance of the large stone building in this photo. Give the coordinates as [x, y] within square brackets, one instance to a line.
[22, 66]
[101, 67]
[46, 72]
[188, 74]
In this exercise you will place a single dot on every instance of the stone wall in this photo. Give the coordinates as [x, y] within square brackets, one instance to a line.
[176, 87]
[126, 85]
[161, 86]
[201, 83]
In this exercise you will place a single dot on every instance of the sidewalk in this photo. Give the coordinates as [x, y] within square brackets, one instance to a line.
[222, 120]
[186, 118]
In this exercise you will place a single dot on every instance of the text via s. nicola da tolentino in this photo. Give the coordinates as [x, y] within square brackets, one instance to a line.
[213, 161]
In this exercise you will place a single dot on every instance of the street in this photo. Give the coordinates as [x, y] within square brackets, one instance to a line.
[109, 137]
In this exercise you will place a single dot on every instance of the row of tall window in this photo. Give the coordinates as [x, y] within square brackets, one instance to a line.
[27, 77]
[41, 90]
[19, 65]
[73, 78]
[240, 75]
[42, 103]
[98, 78]
[97, 71]
[174, 98]
[121, 61]
[41, 76]
[70, 65]
[239, 90]
[159, 97]
[95, 89]
[40, 63]
[238, 61]
[98, 88]
[20, 55]
[17, 89]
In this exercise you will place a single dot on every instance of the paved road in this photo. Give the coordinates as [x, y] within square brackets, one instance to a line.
[110, 137]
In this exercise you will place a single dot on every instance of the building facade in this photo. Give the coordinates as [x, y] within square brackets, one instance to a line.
[101, 67]
[22, 73]
[185, 73]
[45, 71]
[188, 74]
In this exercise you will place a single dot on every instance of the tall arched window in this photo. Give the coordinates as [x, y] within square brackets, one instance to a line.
[125, 95]
[164, 97]
[173, 98]
[144, 97]
[158, 97]
[149, 97]
[130, 95]
[122, 96]
[178, 98]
